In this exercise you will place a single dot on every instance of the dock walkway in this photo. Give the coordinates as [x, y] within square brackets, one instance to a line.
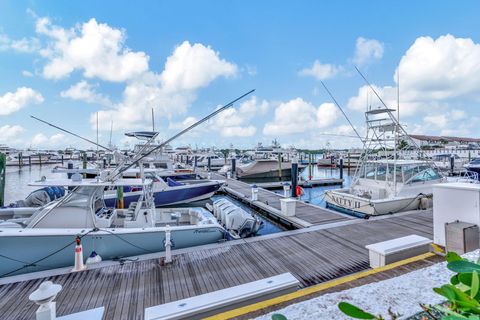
[313, 255]
[306, 214]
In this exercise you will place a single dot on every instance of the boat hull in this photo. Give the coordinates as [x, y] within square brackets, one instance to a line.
[168, 197]
[362, 207]
[30, 246]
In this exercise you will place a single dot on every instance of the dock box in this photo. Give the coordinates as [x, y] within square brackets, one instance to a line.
[461, 237]
[287, 206]
[454, 202]
[386, 252]
[208, 304]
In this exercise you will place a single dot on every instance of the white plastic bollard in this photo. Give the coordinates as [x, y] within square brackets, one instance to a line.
[286, 190]
[229, 175]
[44, 297]
[79, 266]
[254, 193]
[168, 245]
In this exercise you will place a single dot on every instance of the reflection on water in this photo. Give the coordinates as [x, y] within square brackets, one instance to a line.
[315, 195]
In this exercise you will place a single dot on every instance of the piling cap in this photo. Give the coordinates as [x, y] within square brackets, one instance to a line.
[45, 293]
[254, 186]
[78, 240]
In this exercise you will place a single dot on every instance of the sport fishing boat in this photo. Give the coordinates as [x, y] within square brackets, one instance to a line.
[45, 239]
[388, 185]
[385, 186]
[169, 187]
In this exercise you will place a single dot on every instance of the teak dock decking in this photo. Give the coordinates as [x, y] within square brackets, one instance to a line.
[125, 290]
[306, 214]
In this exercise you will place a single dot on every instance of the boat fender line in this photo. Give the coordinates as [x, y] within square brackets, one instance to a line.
[35, 263]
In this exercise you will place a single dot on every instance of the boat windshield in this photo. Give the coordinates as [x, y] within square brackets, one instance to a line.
[401, 173]
[426, 175]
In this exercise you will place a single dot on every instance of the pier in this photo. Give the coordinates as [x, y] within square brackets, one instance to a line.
[313, 255]
[306, 214]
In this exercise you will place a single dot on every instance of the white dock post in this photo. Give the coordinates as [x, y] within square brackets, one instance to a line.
[79, 266]
[44, 296]
[229, 175]
[254, 192]
[286, 190]
[168, 245]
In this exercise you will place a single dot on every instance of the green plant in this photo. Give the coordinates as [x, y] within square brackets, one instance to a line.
[462, 294]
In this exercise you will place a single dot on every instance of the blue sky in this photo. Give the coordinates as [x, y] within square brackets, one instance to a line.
[65, 63]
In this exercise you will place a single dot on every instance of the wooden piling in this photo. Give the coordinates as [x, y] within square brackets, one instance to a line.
[3, 166]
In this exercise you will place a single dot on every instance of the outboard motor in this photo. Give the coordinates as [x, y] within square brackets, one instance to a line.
[237, 221]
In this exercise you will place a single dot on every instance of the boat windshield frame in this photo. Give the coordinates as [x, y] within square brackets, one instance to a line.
[406, 173]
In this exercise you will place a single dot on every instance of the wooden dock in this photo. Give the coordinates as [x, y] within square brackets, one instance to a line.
[306, 214]
[302, 183]
[313, 255]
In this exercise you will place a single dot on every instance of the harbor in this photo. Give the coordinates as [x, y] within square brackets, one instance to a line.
[236, 160]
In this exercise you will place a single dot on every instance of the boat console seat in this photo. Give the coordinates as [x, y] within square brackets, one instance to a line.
[104, 217]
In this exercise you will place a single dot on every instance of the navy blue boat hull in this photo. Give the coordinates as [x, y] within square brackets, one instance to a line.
[169, 197]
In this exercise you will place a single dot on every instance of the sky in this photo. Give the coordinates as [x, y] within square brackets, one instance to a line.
[71, 63]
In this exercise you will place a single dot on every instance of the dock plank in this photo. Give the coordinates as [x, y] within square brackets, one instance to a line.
[312, 256]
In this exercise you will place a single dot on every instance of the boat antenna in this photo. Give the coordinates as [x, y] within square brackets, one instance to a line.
[153, 121]
[97, 135]
[69, 132]
[111, 129]
[161, 145]
[341, 109]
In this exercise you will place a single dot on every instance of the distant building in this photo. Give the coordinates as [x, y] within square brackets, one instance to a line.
[425, 141]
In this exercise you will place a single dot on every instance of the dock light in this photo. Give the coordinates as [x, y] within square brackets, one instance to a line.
[44, 296]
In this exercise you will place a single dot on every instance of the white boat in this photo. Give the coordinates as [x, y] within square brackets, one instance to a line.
[46, 239]
[387, 185]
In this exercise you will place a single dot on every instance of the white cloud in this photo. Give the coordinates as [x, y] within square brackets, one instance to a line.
[84, 91]
[235, 122]
[435, 74]
[189, 68]
[437, 120]
[298, 116]
[187, 122]
[24, 45]
[442, 68]
[27, 73]
[367, 50]
[11, 102]
[194, 66]
[321, 71]
[41, 140]
[9, 133]
[95, 48]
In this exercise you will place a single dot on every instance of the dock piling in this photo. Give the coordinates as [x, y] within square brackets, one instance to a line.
[279, 167]
[234, 167]
[294, 177]
[3, 164]
[209, 164]
[452, 164]
[341, 168]
[69, 167]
